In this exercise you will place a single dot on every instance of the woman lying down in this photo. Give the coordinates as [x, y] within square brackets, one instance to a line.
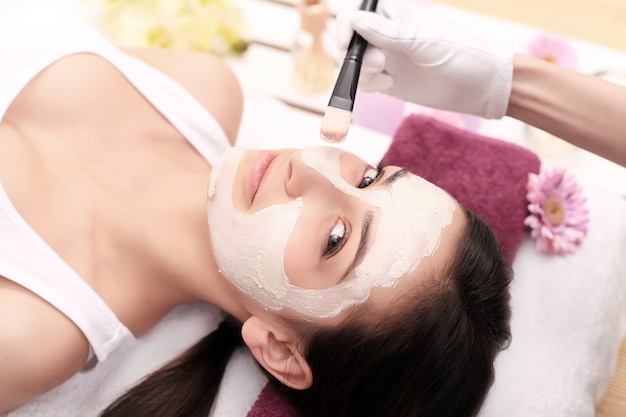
[364, 291]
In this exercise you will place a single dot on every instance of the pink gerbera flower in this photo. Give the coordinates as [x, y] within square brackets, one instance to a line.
[558, 211]
[553, 49]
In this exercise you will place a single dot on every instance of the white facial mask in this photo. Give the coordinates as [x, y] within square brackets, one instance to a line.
[249, 248]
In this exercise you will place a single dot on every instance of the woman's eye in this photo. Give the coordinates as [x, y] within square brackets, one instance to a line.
[370, 177]
[336, 239]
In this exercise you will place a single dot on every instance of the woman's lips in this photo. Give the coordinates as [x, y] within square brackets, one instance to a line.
[260, 163]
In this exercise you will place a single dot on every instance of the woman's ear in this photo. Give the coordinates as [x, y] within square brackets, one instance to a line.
[276, 351]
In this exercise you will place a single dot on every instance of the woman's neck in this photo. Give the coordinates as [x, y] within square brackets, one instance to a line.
[160, 252]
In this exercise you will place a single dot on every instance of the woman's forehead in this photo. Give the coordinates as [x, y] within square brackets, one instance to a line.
[428, 272]
[411, 215]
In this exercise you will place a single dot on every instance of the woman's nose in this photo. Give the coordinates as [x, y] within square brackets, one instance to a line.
[304, 180]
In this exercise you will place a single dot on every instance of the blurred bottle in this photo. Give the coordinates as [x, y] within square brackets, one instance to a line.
[315, 70]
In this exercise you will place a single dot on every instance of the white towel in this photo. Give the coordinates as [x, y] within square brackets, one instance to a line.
[569, 316]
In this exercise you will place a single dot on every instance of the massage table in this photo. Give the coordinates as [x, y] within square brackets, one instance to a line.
[273, 24]
[268, 66]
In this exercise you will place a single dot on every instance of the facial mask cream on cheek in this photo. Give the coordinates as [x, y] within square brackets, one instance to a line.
[249, 248]
[412, 215]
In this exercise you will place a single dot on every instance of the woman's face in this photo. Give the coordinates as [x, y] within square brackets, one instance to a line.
[315, 230]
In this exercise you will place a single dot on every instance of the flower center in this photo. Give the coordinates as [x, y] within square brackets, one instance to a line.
[554, 210]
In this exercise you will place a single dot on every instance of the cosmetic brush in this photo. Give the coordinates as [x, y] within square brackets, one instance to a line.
[339, 111]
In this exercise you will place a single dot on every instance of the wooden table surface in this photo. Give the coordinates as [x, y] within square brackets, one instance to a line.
[598, 21]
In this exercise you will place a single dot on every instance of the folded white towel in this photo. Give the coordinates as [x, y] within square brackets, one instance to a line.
[569, 316]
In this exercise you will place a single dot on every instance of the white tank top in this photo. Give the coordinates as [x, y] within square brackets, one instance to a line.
[33, 36]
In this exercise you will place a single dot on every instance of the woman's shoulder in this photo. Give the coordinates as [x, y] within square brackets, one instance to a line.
[40, 347]
[207, 77]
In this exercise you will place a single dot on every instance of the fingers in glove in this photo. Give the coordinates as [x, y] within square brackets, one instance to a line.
[379, 82]
[379, 31]
[373, 60]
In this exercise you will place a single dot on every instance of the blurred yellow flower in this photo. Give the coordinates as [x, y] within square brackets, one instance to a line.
[215, 26]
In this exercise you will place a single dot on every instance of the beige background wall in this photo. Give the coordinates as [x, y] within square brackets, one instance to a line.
[598, 21]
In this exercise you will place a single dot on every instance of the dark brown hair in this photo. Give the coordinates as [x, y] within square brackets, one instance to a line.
[432, 354]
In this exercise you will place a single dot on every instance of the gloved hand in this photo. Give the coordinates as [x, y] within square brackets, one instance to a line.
[417, 55]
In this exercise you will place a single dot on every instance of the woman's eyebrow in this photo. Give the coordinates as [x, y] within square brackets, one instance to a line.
[360, 251]
[395, 176]
[365, 225]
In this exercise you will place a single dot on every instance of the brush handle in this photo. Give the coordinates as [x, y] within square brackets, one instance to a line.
[357, 45]
[369, 5]
[348, 79]
[345, 87]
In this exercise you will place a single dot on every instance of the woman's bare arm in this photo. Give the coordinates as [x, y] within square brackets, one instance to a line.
[39, 347]
[581, 109]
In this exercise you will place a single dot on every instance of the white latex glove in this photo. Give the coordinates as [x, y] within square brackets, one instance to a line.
[417, 55]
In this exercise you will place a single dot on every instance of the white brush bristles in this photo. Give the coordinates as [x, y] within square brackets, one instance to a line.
[335, 124]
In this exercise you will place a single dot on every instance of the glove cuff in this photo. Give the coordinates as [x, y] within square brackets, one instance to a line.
[497, 96]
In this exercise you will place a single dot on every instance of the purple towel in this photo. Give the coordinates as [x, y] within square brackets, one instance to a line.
[485, 175]
[272, 403]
